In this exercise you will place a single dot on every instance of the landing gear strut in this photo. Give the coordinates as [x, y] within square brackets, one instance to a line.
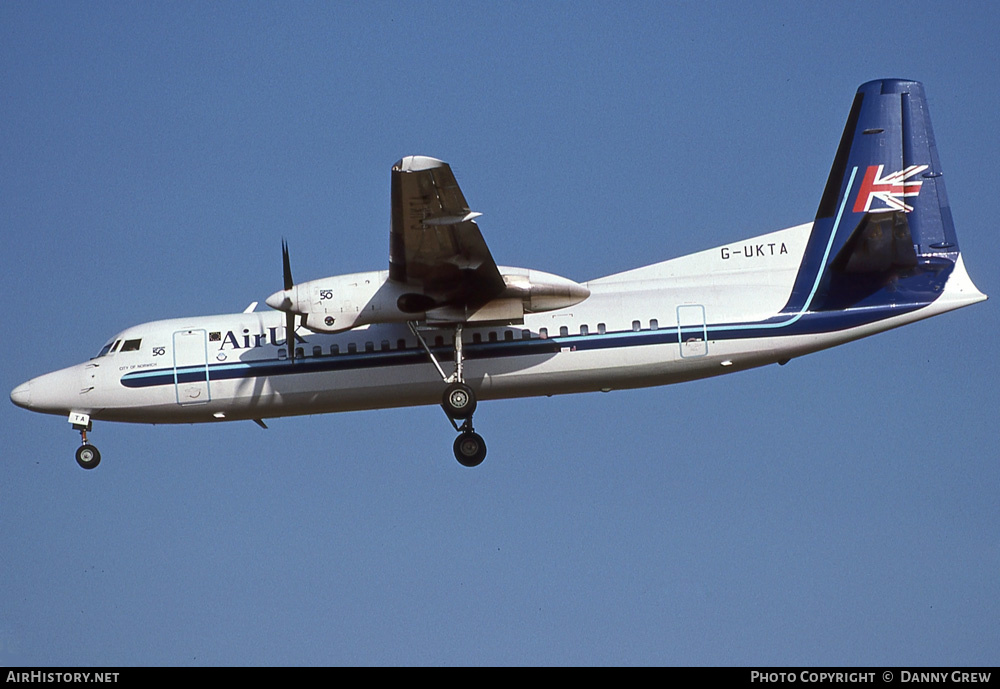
[87, 456]
[459, 403]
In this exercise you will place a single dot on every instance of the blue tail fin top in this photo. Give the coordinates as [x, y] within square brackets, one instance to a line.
[883, 232]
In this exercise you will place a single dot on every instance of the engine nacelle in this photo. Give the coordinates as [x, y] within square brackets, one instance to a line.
[342, 302]
[334, 304]
[538, 291]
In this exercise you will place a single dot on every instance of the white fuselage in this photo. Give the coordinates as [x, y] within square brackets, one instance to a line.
[701, 315]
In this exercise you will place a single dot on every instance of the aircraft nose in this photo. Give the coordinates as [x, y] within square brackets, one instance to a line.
[21, 395]
[53, 393]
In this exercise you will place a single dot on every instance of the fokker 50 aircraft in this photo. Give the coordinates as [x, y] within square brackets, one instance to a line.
[446, 325]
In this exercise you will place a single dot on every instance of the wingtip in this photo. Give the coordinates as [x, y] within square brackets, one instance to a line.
[417, 163]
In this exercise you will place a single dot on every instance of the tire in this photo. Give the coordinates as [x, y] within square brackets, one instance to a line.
[458, 401]
[470, 449]
[88, 456]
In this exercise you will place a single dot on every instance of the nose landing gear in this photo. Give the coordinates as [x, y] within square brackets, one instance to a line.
[87, 456]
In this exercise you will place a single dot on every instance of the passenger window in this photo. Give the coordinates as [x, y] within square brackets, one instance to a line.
[493, 336]
[317, 350]
[525, 334]
[543, 333]
[584, 330]
[352, 347]
[563, 330]
[369, 346]
[601, 328]
[335, 349]
[654, 324]
[385, 345]
[131, 345]
[508, 335]
[282, 354]
[400, 344]
[636, 326]
[300, 352]
[477, 338]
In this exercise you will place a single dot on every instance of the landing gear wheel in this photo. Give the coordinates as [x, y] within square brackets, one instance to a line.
[459, 401]
[470, 449]
[88, 457]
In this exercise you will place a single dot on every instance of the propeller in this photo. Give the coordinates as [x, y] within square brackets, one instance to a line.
[286, 268]
[286, 265]
[282, 301]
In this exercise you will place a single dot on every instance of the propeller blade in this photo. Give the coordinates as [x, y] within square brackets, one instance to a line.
[286, 273]
[286, 265]
[290, 335]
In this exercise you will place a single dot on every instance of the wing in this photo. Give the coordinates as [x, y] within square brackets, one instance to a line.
[435, 246]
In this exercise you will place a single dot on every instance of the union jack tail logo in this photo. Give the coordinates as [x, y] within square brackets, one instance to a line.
[890, 189]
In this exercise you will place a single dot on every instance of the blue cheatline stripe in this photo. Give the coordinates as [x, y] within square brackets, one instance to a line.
[822, 322]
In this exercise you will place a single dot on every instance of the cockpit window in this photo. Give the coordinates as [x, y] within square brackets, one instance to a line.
[112, 347]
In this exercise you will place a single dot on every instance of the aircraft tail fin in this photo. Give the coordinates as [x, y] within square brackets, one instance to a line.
[883, 232]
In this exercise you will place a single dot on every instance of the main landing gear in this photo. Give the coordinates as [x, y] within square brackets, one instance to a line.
[87, 456]
[459, 403]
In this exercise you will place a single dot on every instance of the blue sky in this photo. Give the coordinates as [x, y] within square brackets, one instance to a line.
[840, 510]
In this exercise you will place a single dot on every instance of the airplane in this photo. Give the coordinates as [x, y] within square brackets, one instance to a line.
[446, 325]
